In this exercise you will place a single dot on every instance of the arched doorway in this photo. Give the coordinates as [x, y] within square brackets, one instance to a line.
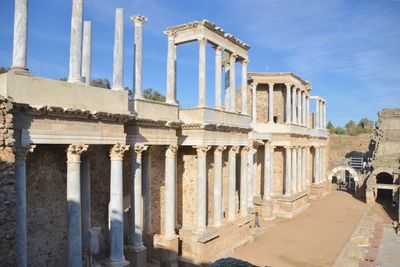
[384, 193]
[346, 176]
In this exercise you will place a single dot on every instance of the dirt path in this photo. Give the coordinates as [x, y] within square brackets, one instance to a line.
[315, 238]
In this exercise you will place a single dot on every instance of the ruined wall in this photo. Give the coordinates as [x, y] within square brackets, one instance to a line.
[279, 100]
[262, 103]
[7, 191]
[278, 173]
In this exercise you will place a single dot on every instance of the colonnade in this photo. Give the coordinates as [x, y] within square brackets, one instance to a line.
[297, 170]
[296, 107]
[319, 165]
[230, 81]
[320, 112]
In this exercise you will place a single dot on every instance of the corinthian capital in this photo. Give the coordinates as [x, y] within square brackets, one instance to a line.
[139, 148]
[234, 149]
[220, 149]
[171, 151]
[22, 151]
[202, 150]
[138, 20]
[203, 41]
[117, 151]
[74, 152]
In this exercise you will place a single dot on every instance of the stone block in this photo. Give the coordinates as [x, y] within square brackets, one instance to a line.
[136, 258]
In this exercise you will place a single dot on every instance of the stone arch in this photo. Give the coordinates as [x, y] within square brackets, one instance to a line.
[351, 170]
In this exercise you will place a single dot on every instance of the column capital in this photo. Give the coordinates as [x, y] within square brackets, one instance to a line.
[271, 84]
[170, 34]
[74, 152]
[288, 85]
[139, 148]
[234, 149]
[233, 58]
[218, 48]
[117, 151]
[202, 41]
[22, 151]
[245, 61]
[247, 148]
[202, 150]
[138, 20]
[219, 149]
[288, 147]
[171, 151]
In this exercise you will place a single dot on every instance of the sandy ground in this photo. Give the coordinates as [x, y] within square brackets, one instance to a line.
[314, 238]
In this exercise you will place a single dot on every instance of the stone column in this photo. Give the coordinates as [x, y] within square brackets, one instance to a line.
[201, 201]
[74, 204]
[20, 202]
[321, 115]
[170, 192]
[317, 118]
[299, 107]
[147, 200]
[243, 181]
[136, 227]
[316, 166]
[303, 103]
[118, 67]
[86, 209]
[232, 182]
[322, 159]
[294, 170]
[268, 171]
[218, 185]
[20, 43]
[254, 102]
[288, 171]
[324, 111]
[202, 73]
[139, 21]
[270, 102]
[308, 112]
[304, 169]
[288, 106]
[308, 167]
[87, 52]
[171, 92]
[244, 87]
[115, 207]
[250, 176]
[255, 174]
[218, 77]
[299, 169]
[227, 101]
[75, 49]
[294, 117]
[232, 82]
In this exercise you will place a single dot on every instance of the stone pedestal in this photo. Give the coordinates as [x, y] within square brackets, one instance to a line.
[266, 210]
[168, 250]
[136, 258]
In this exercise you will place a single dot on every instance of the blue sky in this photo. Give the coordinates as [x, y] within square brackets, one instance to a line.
[348, 50]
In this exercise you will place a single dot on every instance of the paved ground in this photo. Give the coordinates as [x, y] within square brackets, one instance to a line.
[314, 238]
[389, 250]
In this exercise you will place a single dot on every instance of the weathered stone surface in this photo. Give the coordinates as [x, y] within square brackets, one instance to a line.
[231, 262]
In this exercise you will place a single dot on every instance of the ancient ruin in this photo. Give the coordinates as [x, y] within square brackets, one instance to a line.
[104, 178]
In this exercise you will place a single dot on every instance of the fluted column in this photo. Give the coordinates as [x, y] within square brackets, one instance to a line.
[299, 169]
[171, 69]
[308, 112]
[218, 77]
[87, 52]
[270, 102]
[218, 185]
[316, 166]
[243, 181]
[147, 199]
[324, 111]
[138, 55]
[136, 227]
[317, 118]
[255, 174]
[294, 170]
[250, 176]
[288, 171]
[20, 202]
[227, 76]
[232, 182]
[202, 73]
[115, 212]
[268, 170]
[244, 87]
[299, 107]
[308, 167]
[20, 42]
[303, 103]
[75, 49]
[86, 207]
[304, 169]
[254, 102]
[170, 192]
[288, 106]
[201, 201]
[118, 68]
[74, 204]
[232, 82]
[294, 107]
[321, 115]
[323, 178]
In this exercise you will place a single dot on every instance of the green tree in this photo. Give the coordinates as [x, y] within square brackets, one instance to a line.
[3, 70]
[330, 127]
[154, 95]
[102, 83]
[367, 124]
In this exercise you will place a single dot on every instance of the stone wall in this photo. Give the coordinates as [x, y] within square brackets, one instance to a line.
[278, 173]
[7, 191]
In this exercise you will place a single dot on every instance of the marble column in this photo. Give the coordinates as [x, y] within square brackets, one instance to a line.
[232, 182]
[254, 102]
[138, 55]
[268, 171]
[75, 49]
[74, 204]
[218, 77]
[115, 207]
[244, 87]
[288, 106]
[20, 42]
[308, 167]
[294, 170]
[243, 181]
[171, 69]
[294, 106]
[324, 111]
[136, 227]
[299, 107]
[323, 164]
[232, 82]
[147, 199]
[201, 201]
[308, 112]
[170, 192]
[250, 176]
[270, 103]
[86, 207]
[255, 173]
[218, 185]
[202, 73]
[87, 52]
[118, 67]
[227, 101]
[316, 166]
[299, 169]
[20, 202]
[303, 114]
[304, 169]
[288, 171]
[317, 118]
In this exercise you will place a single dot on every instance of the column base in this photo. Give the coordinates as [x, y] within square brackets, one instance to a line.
[168, 250]
[117, 263]
[20, 71]
[136, 256]
[78, 81]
